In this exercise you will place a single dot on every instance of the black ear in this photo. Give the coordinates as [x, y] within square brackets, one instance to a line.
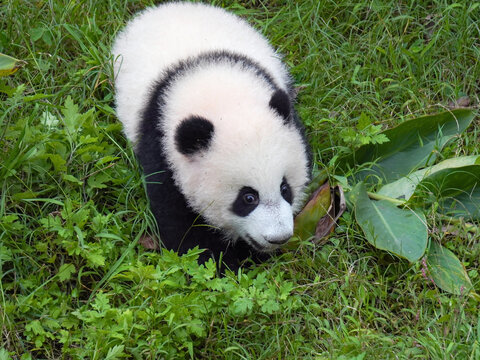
[193, 134]
[280, 102]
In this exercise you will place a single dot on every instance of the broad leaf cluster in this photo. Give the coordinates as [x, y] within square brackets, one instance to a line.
[451, 188]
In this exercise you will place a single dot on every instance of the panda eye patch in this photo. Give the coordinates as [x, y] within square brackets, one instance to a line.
[247, 200]
[286, 191]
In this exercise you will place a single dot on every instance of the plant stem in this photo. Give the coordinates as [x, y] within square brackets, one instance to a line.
[376, 196]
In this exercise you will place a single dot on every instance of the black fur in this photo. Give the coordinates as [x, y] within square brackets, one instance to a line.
[280, 102]
[242, 208]
[176, 221]
[193, 135]
[286, 191]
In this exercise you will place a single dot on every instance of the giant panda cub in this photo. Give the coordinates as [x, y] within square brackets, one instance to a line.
[207, 104]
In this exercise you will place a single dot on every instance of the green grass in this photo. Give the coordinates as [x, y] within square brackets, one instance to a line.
[75, 283]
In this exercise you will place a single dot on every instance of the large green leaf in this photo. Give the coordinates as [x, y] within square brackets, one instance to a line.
[447, 271]
[413, 145]
[399, 231]
[456, 190]
[404, 187]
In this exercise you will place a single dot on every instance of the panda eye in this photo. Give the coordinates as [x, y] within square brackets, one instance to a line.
[286, 191]
[250, 199]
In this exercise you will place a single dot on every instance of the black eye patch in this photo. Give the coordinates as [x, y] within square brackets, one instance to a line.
[193, 134]
[247, 200]
[286, 191]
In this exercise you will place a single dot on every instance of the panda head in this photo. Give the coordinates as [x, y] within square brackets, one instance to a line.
[242, 165]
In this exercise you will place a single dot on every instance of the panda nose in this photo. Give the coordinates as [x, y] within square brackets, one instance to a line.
[279, 240]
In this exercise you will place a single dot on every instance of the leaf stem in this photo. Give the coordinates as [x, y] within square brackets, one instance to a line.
[376, 196]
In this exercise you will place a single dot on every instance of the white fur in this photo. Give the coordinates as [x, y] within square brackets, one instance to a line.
[160, 36]
[271, 221]
[251, 145]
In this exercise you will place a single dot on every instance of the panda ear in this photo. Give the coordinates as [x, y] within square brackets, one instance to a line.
[280, 102]
[194, 134]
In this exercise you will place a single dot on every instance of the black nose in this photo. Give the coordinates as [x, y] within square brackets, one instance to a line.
[278, 241]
